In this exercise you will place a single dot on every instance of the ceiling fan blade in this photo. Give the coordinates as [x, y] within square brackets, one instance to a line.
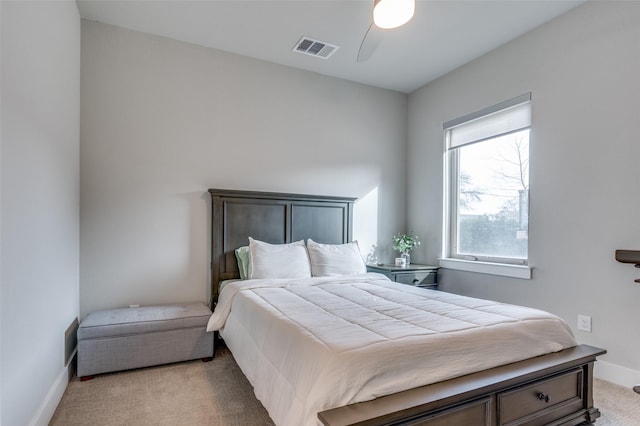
[370, 43]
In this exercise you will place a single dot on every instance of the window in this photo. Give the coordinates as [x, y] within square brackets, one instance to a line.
[487, 184]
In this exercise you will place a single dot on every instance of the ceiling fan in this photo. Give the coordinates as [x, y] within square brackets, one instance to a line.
[387, 14]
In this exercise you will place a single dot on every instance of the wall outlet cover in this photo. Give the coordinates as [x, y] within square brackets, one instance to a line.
[584, 323]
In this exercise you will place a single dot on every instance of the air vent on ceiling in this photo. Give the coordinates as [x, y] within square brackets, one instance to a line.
[316, 48]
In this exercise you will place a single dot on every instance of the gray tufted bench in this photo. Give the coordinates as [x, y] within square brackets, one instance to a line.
[122, 339]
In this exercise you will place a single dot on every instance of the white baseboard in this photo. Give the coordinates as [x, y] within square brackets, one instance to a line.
[617, 374]
[51, 401]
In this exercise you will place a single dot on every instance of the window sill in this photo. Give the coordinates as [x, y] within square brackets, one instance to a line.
[502, 269]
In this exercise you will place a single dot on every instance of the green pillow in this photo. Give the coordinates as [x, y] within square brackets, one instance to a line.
[242, 255]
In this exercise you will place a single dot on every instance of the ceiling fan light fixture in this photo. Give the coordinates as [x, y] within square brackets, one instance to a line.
[389, 14]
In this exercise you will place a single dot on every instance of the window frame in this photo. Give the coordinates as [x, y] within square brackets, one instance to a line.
[514, 267]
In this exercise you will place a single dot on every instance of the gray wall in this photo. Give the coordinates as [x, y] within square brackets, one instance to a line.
[39, 207]
[582, 70]
[163, 121]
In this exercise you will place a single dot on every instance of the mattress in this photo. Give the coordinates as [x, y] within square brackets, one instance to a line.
[307, 345]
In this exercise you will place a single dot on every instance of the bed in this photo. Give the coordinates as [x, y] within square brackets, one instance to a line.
[437, 360]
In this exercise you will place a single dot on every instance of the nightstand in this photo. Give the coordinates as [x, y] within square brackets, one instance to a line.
[419, 275]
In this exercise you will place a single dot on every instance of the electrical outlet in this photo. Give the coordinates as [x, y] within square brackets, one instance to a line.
[584, 323]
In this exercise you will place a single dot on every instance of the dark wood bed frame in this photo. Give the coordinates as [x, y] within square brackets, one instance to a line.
[553, 389]
[272, 217]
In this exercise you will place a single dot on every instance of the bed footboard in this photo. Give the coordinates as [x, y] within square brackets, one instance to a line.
[551, 389]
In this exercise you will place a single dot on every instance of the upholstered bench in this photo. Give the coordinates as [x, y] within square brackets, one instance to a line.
[122, 339]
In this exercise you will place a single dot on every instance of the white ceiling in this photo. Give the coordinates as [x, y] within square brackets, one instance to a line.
[443, 35]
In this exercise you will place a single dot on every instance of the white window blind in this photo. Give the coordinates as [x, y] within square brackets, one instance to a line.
[487, 124]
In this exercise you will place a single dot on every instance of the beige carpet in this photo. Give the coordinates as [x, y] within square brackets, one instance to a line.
[217, 393]
[619, 406]
[189, 393]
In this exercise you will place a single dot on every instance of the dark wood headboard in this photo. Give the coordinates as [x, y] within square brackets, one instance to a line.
[276, 218]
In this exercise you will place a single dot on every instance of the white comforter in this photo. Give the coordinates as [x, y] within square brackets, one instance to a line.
[313, 344]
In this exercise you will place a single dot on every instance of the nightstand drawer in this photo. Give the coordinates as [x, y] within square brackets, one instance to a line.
[415, 278]
[414, 274]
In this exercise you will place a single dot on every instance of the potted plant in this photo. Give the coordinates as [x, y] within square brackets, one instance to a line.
[404, 243]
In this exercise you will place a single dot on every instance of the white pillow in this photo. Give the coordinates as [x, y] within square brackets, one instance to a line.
[335, 259]
[278, 260]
